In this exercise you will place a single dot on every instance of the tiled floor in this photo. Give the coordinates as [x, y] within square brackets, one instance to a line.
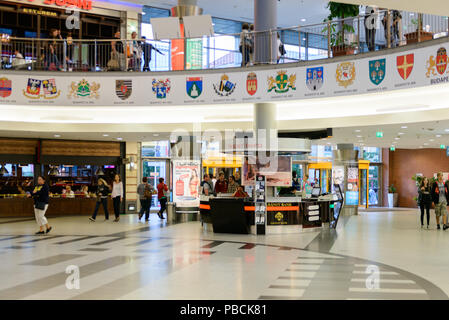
[153, 260]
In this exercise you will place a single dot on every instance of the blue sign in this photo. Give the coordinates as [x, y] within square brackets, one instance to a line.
[352, 198]
[377, 70]
[447, 151]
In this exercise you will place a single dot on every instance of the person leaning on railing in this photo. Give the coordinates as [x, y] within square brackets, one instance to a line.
[118, 59]
[245, 46]
[146, 49]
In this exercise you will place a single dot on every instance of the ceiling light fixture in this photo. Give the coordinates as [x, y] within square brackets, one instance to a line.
[404, 127]
[99, 172]
[105, 135]
[120, 139]
[53, 171]
[3, 171]
[57, 136]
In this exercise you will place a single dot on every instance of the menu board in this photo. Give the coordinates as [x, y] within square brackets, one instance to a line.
[186, 183]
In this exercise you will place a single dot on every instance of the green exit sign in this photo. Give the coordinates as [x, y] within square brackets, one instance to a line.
[379, 134]
[442, 146]
[392, 148]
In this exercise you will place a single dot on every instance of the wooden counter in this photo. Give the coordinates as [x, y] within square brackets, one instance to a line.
[58, 207]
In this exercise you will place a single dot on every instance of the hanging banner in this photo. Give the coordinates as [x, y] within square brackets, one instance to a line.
[186, 181]
[356, 75]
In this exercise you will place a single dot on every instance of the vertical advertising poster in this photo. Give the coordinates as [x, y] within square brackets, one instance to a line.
[352, 186]
[186, 180]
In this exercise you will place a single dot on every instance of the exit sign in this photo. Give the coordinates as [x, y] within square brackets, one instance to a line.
[392, 148]
[442, 146]
[379, 134]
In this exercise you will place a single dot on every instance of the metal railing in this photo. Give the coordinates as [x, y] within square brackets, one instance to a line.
[355, 35]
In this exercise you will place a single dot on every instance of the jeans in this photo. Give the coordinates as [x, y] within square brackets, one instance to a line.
[145, 208]
[370, 38]
[163, 202]
[116, 202]
[422, 206]
[104, 202]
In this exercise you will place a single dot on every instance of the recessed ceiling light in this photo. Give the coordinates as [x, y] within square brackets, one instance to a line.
[303, 20]
[401, 133]
[397, 138]
[57, 136]
[431, 140]
[359, 136]
[357, 130]
[404, 127]
[119, 138]
[155, 134]
[438, 136]
[447, 130]
[105, 135]
[426, 144]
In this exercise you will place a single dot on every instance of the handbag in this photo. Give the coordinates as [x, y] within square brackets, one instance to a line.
[40, 205]
[113, 63]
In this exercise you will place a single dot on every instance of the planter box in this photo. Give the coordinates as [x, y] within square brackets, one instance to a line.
[342, 51]
[393, 200]
[413, 36]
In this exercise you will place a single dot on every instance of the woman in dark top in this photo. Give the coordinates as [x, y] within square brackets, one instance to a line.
[40, 195]
[102, 199]
[424, 200]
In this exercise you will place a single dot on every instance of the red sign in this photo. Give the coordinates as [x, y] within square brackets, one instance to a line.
[251, 84]
[80, 4]
[405, 65]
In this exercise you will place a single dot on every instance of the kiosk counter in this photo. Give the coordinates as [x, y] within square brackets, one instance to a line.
[284, 214]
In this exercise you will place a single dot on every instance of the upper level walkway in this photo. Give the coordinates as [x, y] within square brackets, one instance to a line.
[301, 43]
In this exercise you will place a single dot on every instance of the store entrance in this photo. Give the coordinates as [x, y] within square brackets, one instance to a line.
[153, 170]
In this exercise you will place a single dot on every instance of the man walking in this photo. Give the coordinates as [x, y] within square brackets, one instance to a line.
[440, 198]
[147, 47]
[145, 192]
[162, 190]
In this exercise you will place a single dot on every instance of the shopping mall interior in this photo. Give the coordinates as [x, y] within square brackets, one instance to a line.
[275, 149]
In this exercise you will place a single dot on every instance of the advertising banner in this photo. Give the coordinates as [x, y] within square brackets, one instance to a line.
[408, 69]
[186, 180]
[278, 172]
[352, 188]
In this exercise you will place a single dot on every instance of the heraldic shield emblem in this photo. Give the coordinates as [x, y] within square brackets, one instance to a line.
[123, 88]
[377, 71]
[441, 61]
[405, 65]
[282, 83]
[5, 87]
[315, 78]
[194, 87]
[251, 84]
[345, 74]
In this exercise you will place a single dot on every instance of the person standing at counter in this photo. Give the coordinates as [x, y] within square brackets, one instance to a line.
[221, 186]
[232, 186]
[69, 192]
[102, 199]
[440, 199]
[424, 200]
[238, 178]
[41, 198]
[117, 196]
[207, 185]
[162, 190]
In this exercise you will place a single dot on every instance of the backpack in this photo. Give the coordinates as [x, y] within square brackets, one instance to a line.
[147, 193]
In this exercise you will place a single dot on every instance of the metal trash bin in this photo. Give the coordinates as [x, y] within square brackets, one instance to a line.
[171, 207]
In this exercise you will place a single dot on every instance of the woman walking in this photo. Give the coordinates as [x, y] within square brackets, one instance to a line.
[161, 195]
[102, 199]
[424, 200]
[117, 196]
[440, 196]
[41, 195]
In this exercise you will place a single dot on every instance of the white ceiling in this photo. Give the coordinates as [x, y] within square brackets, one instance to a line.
[290, 12]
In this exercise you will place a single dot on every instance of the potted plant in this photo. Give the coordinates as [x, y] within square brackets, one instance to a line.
[413, 37]
[341, 34]
[392, 196]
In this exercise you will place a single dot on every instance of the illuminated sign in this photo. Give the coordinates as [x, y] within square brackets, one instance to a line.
[40, 12]
[80, 4]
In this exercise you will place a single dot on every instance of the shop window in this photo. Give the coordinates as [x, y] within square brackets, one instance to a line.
[156, 149]
[372, 154]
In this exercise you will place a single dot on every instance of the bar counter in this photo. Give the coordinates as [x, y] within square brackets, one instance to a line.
[57, 207]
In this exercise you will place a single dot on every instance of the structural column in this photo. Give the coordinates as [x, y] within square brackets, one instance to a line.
[265, 122]
[265, 43]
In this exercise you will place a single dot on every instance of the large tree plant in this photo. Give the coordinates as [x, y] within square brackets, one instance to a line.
[340, 11]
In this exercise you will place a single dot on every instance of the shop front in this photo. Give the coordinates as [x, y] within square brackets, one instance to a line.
[70, 168]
